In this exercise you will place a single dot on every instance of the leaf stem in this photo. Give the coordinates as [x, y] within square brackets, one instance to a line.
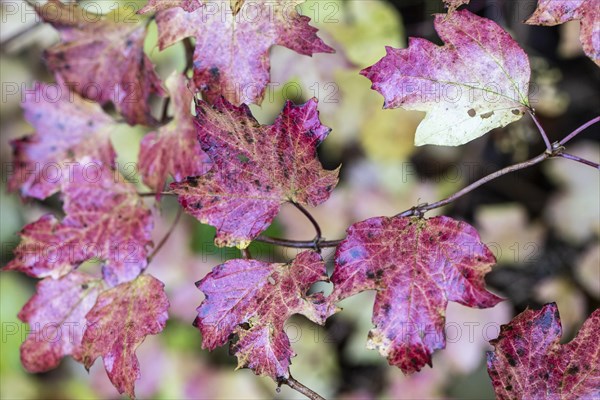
[419, 210]
[319, 236]
[578, 130]
[541, 129]
[579, 159]
[246, 254]
[297, 386]
[154, 194]
[297, 244]
[167, 235]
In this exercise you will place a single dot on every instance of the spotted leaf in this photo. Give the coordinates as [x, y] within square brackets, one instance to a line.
[528, 361]
[255, 169]
[105, 220]
[477, 81]
[417, 266]
[231, 57]
[252, 299]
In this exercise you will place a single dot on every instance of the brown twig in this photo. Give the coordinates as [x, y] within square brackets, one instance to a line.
[579, 159]
[297, 386]
[246, 254]
[154, 194]
[297, 244]
[579, 130]
[418, 210]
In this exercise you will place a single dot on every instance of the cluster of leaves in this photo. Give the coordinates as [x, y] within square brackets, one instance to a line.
[233, 173]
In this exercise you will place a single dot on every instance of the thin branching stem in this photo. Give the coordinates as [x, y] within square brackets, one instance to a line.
[419, 210]
[555, 150]
[167, 235]
[541, 129]
[153, 194]
[579, 130]
[297, 244]
[246, 254]
[579, 159]
[299, 387]
[312, 220]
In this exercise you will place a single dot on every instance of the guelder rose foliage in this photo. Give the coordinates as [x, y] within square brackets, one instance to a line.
[476, 82]
[529, 362]
[231, 172]
[231, 56]
[256, 168]
[253, 299]
[67, 127]
[416, 266]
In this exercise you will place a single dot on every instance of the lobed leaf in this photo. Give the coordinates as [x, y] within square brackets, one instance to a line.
[67, 127]
[474, 83]
[56, 318]
[417, 266]
[231, 57]
[119, 322]
[555, 12]
[102, 59]
[253, 299]
[255, 169]
[105, 219]
[174, 149]
[528, 361]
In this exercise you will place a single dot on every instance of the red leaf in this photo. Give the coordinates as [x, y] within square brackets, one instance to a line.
[67, 128]
[56, 316]
[160, 5]
[232, 52]
[477, 81]
[103, 60]
[554, 12]
[416, 266]
[528, 361]
[174, 149]
[252, 299]
[119, 322]
[256, 168]
[105, 219]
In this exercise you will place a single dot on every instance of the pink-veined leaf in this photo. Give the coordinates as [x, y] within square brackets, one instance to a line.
[67, 127]
[528, 361]
[477, 81]
[255, 169]
[417, 266]
[105, 219]
[119, 322]
[160, 5]
[252, 299]
[56, 316]
[554, 12]
[231, 57]
[173, 150]
[103, 60]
